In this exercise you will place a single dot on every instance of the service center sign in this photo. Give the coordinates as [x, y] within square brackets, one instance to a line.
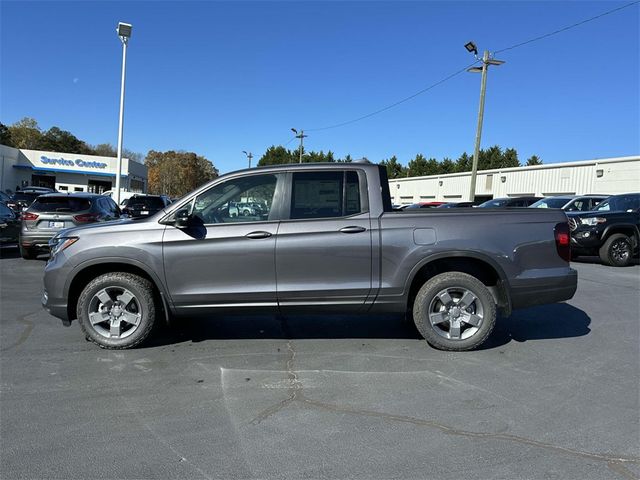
[72, 163]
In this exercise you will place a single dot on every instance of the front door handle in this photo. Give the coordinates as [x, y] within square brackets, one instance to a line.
[258, 234]
[352, 229]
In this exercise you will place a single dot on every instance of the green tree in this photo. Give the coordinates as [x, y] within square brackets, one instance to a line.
[464, 163]
[26, 133]
[394, 168]
[447, 166]
[105, 150]
[57, 140]
[277, 156]
[533, 160]
[5, 135]
[418, 166]
[510, 158]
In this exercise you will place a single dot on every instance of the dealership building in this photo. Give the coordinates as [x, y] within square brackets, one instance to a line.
[608, 176]
[67, 172]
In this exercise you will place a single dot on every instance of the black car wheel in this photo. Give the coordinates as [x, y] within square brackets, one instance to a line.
[454, 311]
[117, 310]
[616, 251]
[27, 253]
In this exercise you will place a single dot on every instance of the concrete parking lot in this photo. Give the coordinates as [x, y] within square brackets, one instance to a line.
[553, 395]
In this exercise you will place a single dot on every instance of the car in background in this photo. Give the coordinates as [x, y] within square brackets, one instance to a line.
[4, 197]
[124, 196]
[423, 205]
[9, 225]
[611, 230]
[21, 200]
[570, 203]
[458, 205]
[145, 205]
[508, 202]
[52, 212]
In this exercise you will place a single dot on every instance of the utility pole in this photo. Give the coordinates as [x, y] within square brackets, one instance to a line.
[301, 136]
[249, 156]
[486, 61]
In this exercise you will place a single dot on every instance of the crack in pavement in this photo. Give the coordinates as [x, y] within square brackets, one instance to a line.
[26, 332]
[296, 394]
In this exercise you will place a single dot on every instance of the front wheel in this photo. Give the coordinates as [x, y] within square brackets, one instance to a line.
[454, 311]
[117, 310]
[616, 251]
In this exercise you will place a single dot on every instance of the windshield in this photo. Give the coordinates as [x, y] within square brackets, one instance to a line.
[550, 203]
[60, 204]
[497, 203]
[620, 203]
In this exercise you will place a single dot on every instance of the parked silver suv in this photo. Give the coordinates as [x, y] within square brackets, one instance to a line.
[50, 213]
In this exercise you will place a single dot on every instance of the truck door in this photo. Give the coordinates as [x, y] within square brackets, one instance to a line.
[225, 259]
[323, 246]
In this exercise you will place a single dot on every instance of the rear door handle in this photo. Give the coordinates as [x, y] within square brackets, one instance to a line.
[258, 234]
[352, 229]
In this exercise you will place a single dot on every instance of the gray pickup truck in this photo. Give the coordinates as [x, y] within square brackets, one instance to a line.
[325, 239]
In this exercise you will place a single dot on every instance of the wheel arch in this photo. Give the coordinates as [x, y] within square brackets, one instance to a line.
[625, 228]
[475, 264]
[87, 271]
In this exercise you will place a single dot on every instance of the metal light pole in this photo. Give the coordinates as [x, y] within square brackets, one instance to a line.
[124, 32]
[301, 136]
[486, 61]
[249, 156]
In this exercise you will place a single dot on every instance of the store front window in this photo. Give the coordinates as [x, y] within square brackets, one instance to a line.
[48, 181]
[98, 186]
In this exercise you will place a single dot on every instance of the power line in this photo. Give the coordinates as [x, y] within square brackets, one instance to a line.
[535, 39]
[569, 27]
[439, 82]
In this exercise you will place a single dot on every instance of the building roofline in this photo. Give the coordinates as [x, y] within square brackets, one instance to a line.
[578, 163]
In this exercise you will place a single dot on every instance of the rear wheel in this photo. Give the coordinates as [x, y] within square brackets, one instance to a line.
[117, 310]
[616, 251]
[454, 311]
[27, 253]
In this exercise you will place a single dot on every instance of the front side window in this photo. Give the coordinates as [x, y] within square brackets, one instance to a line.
[245, 199]
[325, 195]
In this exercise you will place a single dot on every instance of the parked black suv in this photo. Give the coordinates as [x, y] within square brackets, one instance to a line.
[611, 230]
[145, 205]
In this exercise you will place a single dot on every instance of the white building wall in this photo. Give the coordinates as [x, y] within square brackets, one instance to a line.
[606, 176]
[72, 172]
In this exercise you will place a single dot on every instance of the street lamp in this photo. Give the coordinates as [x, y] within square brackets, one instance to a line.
[301, 136]
[249, 156]
[486, 61]
[124, 32]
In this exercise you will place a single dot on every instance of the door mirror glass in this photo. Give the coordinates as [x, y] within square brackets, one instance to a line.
[182, 218]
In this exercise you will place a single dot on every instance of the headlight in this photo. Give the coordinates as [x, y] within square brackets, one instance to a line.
[58, 244]
[592, 220]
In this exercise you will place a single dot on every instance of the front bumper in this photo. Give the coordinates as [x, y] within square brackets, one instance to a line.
[542, 289]
[56, 308]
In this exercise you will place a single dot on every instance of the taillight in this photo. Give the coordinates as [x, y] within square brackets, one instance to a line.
[86, 217]
[563, 241]
[29, 216]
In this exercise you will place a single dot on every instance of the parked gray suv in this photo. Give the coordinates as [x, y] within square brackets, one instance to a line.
[328, 240]
[50, 213]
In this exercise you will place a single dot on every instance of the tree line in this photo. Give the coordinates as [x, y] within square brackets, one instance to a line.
[172, 173]
[490, 158]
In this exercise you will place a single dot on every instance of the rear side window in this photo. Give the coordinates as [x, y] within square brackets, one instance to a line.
[325, 195]
[145, 202]
[60, 204]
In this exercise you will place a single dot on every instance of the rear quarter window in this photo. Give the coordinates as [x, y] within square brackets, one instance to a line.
[60, 204]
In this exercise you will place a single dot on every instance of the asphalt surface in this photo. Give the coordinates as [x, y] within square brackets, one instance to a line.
[553, 395]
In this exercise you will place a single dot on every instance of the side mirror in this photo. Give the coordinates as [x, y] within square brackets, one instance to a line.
[182, 218]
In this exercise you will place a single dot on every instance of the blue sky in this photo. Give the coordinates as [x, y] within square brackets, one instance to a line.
[221, 77]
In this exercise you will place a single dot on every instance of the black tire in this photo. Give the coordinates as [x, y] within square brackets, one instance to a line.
[27, 253]
[616, 251]
[143, 295]
[481, 310]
